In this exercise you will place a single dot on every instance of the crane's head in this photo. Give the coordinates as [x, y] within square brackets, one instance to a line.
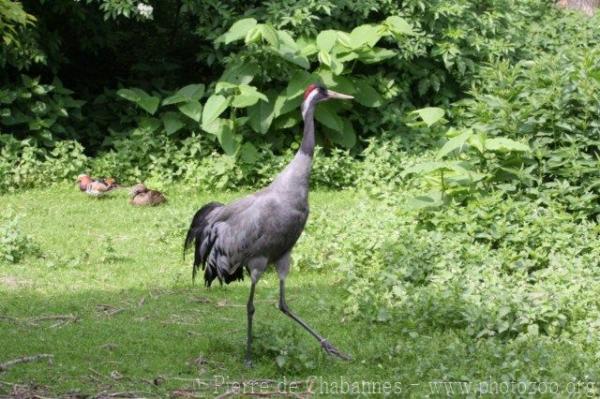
[315, 93]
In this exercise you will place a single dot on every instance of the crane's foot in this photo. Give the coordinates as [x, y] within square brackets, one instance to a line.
[248, 363]
[333, 351]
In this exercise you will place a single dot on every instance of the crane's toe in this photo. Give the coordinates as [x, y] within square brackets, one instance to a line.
[333, 351]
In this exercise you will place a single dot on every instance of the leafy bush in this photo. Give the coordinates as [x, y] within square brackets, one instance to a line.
[26, 165]
[14, 246]
[40, 112]
[551, 104]
[283, 346]
[494, 268]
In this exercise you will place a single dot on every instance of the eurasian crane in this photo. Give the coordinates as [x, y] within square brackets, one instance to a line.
[262, 228]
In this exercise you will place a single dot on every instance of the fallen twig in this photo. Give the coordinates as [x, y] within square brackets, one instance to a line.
[61, 320]
[109, 310]
[25, 359]
[130, 394]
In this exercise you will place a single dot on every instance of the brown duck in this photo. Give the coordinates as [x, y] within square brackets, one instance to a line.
[142, 196]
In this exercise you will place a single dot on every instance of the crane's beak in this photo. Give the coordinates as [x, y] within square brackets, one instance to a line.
[339, 96]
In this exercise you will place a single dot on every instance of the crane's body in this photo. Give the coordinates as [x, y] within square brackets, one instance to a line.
[262, 228]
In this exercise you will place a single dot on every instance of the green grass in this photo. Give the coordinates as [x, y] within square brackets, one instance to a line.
[142, 326]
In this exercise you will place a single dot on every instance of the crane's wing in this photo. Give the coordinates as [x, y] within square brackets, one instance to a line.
[228, 237]
[224, 238]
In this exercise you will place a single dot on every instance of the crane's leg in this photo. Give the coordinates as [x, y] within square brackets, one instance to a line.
[256, 268]
[250, 312]
[283, 266]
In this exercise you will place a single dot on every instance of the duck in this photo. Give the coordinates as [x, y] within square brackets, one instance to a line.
[142, 196]
[96, 187]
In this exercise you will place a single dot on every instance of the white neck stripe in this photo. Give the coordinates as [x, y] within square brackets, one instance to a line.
[308, 101]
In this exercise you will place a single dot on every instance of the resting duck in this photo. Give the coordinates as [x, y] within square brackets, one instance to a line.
[142, 196]
[96, 187]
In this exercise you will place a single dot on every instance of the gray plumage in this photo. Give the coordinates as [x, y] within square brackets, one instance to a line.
[265, 224]
[262, 228]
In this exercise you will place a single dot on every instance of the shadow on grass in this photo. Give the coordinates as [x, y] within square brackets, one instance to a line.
[161, 340]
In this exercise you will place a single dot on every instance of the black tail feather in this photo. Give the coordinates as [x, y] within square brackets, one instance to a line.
[197, 233]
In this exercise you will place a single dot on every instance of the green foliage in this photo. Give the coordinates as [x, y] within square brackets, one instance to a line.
[285, 347]
[494, 268]
[19, 43]
[14, 245]
[39, 112]
[480, 163]
[25, 165]
[551, 102]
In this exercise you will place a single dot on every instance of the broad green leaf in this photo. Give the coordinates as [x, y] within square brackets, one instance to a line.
[287, 121]
[174, 99]
[149, 104]
[344, 39]
[324, 58]
[215, 105]
[269, 34]
[326, 115]
[502, 144]
[432, 199]
[326, 40]
[172, 122]
[215, 126]
[478, 141]
[309, 49]
[307, 45]
[253, 35]
[346, 137]
[252, 91]
[398, 25]
[132, 95]
[193, 109]
[284, 105]
[430, 115]
[138, 96]
[192, 92]
[286, 40]
[150, 124]
[454, 143]
[224, 86]
[238, 30]
[249, 153]
[374, 55]
[294, 57]
[227, 139]
[365, 35]
[237, 74]
[298, 83]
[243, 101]
[290, 51]
[248, 96]
[367, 95]
[336, 66]
[261, 114]
[339, 83]
[427, 168]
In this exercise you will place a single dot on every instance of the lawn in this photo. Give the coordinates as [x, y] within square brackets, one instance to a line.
[110, 298]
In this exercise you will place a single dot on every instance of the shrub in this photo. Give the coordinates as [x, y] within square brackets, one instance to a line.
[14, 245]
[26, 165]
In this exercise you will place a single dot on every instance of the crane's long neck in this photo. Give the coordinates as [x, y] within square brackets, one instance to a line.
[295, 178]
[308, 139]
